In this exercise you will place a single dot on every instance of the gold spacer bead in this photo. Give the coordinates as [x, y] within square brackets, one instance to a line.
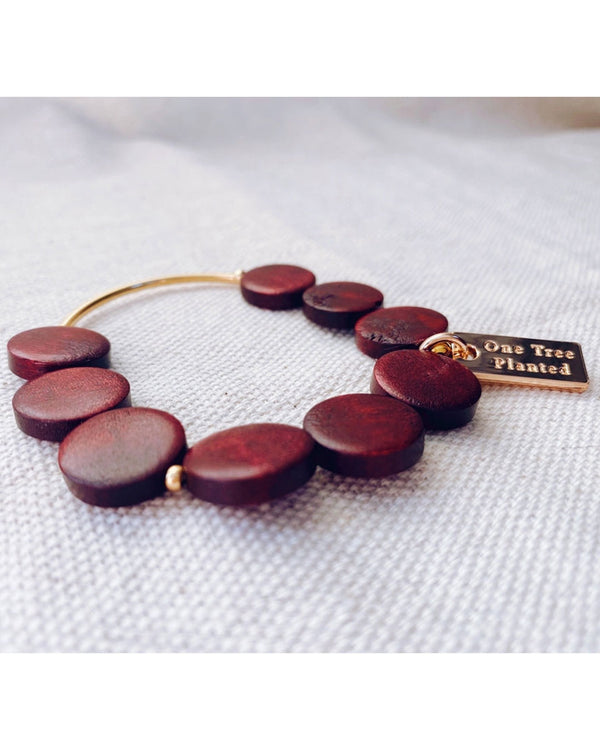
[174, 478]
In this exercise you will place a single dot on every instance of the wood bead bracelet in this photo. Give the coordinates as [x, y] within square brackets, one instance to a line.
[112, 454]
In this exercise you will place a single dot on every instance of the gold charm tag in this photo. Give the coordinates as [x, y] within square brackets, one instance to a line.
[507, 360]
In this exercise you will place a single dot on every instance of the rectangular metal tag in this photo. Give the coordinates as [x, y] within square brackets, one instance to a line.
[508, 360]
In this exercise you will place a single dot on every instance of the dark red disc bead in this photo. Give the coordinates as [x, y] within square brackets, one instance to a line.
[50, 406]
[361, 435]
[121, 457]
[390, 328]
[249, 464]
[276, 287]
[39, 350]
[442, 390]
[339, 304]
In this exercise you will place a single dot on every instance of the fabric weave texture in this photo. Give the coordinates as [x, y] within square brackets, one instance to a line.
[486, 210]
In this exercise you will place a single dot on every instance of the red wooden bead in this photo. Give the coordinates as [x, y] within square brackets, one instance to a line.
[392, 328]
[50, 406]
[249, 464]
[39, 350]
[339, 304]
[443, 391]
[121, 457]
[276, 287]
[361, 435]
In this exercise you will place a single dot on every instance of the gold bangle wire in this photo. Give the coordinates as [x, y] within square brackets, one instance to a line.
[93, 304]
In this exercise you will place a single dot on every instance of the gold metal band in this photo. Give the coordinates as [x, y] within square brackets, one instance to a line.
[214, 278]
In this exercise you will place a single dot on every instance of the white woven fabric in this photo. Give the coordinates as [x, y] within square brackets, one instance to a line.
[485, 210]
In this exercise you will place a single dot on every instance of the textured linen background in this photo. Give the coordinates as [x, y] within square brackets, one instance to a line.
[485, 210]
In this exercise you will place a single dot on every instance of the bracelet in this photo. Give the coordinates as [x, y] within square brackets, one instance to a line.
[113, 454]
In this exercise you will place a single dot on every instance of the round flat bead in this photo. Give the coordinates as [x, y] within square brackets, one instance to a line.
[39, 350]
[442, 390]
[121, 457]
[339, 304]
[276, 287]
[391, 328]
[50, 406]
[361, 435]
[249, 464]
